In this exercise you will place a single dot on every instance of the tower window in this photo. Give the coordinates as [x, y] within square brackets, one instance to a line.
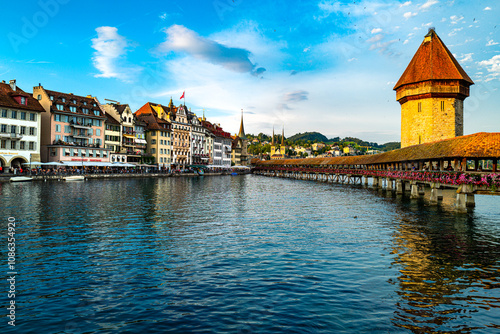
[442, 105]
[419, 106]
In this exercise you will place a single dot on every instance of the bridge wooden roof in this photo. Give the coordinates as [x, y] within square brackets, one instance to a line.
[479, 145]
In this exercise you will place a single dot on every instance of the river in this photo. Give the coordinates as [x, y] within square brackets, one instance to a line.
[247, 254]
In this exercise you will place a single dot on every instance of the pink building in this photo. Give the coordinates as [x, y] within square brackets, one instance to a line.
[72, 127]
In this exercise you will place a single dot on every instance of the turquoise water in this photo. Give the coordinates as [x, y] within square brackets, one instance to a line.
[247, 254]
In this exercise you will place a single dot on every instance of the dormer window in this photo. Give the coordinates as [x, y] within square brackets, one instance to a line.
[59, 107]
[84, 103]
[63, 99]
[52, 98]
[95, 105]
[23, 100]
[85, 110]
[74, 101]
[96, 112]
[72, 109]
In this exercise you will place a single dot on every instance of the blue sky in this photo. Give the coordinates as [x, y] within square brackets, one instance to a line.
[326, 66]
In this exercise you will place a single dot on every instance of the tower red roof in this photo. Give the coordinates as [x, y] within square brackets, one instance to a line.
[432, 61]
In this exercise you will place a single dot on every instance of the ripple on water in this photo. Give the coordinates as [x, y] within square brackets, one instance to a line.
[249, 254]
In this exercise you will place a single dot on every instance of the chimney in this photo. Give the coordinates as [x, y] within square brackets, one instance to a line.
[12, 84]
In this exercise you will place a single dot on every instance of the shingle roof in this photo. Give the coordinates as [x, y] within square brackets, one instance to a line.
[91, 104]
[479, 145]
[148, 115]
[7, 99]
[432, 61]
[111, 120]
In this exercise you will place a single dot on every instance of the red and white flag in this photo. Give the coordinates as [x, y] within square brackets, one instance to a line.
[182, 96]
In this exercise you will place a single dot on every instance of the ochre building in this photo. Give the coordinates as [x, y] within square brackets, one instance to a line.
[431, 92]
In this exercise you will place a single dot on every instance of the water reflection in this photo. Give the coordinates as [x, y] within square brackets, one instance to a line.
[449, 270]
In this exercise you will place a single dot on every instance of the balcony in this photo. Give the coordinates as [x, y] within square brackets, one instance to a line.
[11, 136]
[83, 136]
[75, 144]
[81, 125]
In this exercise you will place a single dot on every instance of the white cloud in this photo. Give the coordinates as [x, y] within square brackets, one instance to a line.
[163, 16]
[491, 43]
[407, 3]
[487, 8]
[181, 39]
[454, 31]
[376, 30]
[110, 48]
[375, 38]
[456, 19]
[406, 41]
[466, 57]
[492, 66]
[428, 4]
[407, 15]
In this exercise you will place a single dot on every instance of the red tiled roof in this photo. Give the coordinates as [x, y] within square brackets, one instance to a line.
[215, 129]
[7, 99]
[148, 115]
[479, 145]
[432, 61]
[80, 104]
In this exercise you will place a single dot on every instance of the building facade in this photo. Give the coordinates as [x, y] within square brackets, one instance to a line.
[278, 151]
[131, 147]
[181, 131]
[198, 153]
[431, 92]
[222, 144]
[20, 127]
[72, 127]
[112, 139]
[158, 133]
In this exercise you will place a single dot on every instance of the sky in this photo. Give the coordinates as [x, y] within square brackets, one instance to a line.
[326, 66]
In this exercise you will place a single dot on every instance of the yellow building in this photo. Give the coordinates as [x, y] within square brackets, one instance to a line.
[158, 134]
[317, 146]
[431, 92]
[278, 151]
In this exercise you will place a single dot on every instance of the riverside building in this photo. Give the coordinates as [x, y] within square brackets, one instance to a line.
[20, 125]
[158, 133]
[72, 127]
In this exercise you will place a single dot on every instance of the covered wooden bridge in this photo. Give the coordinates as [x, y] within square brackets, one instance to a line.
[469, 163]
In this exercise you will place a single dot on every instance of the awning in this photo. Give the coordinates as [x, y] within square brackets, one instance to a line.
[128, 136]
[140, 141]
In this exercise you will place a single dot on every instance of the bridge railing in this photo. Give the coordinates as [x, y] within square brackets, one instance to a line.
[490, 180]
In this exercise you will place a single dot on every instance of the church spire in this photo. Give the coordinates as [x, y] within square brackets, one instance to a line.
[171, 104]
[272, 140]
[241, 134]
[283, 136]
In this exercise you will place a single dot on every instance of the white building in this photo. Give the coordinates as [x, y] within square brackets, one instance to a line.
[20, 127]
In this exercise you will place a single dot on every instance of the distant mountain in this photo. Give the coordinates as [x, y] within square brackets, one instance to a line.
[312, 136]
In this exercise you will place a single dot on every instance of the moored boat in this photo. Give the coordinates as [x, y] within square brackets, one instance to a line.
[74, 178]
[21, 179]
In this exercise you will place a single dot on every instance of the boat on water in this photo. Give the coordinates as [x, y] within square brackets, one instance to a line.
[21, 179]
[74, 178]
[200, 171]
